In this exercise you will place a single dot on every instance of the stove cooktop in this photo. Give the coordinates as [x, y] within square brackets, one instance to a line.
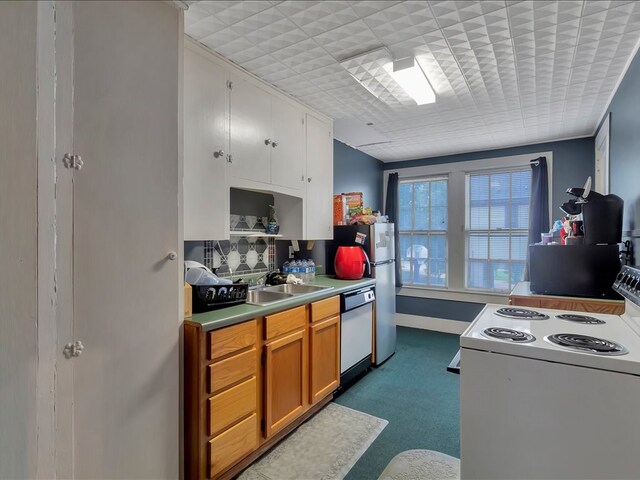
[615, 345]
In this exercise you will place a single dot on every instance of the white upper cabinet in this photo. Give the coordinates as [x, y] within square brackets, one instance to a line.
[250, 131]
[287, 144]
[206, 113]
[266, 137]
[319, 204]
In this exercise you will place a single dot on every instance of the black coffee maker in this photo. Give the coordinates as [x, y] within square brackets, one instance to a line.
[601, 214]
[589, 267]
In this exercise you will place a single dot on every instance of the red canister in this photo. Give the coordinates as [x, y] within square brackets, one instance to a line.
[349, 263]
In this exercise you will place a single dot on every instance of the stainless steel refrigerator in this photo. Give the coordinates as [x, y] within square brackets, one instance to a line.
[378, 243]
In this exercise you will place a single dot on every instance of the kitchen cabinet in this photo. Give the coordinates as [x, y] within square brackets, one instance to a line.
[285, 372]
[266, 137]
[249, 385]
[222, 397]
[206, 110]
[319, 199]
[324, 348]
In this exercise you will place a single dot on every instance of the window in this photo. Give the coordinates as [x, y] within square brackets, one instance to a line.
[497, 211]
[422, 224]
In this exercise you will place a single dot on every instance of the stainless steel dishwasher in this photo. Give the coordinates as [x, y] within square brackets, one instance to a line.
[356, 333]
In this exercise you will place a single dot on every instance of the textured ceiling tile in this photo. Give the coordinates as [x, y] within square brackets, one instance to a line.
[402, 21]
[348, 40]
[364, 8]
[320, 17]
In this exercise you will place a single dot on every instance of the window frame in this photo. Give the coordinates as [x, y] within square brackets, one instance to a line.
[443, 233]
[456, 170]
[488, 231]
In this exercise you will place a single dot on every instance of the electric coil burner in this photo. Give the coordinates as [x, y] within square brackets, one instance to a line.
[508, 334]
[587, 344]
[574, 317]
[521, 313]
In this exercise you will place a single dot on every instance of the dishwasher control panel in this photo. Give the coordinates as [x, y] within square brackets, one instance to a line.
[351, 300]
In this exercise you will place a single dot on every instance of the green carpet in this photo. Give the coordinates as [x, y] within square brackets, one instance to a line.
[416, 394]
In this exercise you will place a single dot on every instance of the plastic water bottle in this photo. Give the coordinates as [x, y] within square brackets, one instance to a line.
[286, 267]
[298, 269]
[312, 271]
[304, 274]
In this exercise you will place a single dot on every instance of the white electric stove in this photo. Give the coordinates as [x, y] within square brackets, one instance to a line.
[552, 393]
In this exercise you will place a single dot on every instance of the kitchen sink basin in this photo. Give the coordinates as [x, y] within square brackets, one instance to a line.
[264, 297]
[295, 289]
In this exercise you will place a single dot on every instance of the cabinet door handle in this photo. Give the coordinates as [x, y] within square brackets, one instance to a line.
[267, 141]
[218, 154]
[274, 144]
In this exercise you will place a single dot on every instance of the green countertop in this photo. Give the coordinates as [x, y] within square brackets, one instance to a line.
[240, 313]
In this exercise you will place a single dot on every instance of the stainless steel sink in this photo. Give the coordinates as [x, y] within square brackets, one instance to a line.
[295, 289]
[264, 297]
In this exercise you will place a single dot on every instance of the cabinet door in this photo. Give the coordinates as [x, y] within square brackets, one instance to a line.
[250, 113]
[126, 414]
[324, 342]
[206, 193]
[319, 204]
[287, 149]
[286, 377]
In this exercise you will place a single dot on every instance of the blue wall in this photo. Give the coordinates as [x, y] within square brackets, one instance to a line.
[573, 161]
[355, 171]
[624, 149]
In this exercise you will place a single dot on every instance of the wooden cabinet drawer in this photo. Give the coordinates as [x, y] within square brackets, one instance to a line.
[233, 444]
[231, 405]
[325, 308]
[231, 370]
[285, 322]
[231, 339]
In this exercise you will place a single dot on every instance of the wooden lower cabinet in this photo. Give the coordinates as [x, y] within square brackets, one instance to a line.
[249, 385]
[286, 376]
[324, 368]
[231, 445]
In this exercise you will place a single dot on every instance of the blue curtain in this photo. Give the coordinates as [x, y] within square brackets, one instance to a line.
[391, 209]
[539, 204]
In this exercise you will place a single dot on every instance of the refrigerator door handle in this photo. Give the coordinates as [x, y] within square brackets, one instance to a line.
[383, 262]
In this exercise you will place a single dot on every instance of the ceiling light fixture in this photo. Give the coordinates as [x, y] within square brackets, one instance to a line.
[410, 76]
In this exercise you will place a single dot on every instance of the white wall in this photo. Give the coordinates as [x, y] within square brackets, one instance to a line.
[18, 240]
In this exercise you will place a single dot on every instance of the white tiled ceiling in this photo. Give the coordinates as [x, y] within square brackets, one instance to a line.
[504, 72]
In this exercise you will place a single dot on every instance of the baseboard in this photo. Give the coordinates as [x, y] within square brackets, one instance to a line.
[431, 323]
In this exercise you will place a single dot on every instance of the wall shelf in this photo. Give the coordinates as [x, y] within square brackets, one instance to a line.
[252, 233]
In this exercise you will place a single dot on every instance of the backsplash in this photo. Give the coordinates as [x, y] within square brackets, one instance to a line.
[242, 255]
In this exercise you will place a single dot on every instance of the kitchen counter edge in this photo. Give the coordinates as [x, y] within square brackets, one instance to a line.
[225, 317]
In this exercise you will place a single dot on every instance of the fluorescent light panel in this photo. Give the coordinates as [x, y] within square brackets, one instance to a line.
[411, 78]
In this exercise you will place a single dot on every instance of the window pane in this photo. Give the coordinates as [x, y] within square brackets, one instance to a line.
[438, 273]
[499, 247]
[438, 247]
[405, 255]
[439, 193]
[479, 202]
[421, 207]
[405, 193]
[517, 273]
[438, 218]
[499, 275]
[519, 247]
[520, 195]
[478, 246]
[477, 274]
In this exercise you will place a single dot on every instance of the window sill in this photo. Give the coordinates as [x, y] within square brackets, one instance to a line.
[454, 295]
